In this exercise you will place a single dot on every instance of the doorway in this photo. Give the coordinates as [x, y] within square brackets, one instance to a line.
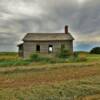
[50, 48]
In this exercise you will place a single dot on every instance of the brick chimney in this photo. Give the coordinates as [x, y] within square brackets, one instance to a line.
[66, 29]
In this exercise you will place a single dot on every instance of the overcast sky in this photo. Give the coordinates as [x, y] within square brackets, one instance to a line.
[17, 17]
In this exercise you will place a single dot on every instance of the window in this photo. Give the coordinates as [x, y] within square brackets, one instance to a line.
[50, 49]
[38, 48]
[62, 46]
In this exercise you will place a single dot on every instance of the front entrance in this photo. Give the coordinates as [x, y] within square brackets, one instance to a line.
[50, 48]
[37, 48]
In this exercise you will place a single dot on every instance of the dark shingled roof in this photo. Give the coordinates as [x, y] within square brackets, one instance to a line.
[47, 36]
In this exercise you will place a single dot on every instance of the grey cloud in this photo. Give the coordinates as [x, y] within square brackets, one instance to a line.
[46, 16]
[88, 18]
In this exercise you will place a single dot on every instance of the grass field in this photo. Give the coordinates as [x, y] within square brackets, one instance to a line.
[57, 81]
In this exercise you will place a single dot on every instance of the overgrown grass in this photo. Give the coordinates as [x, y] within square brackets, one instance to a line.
[46, 59]
[47, 81]
[12, 63]
[9, 59]
[67, 90]
[12, 59]
[8, 53]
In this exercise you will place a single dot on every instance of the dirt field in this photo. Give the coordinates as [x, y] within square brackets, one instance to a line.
[59, 81]
[31, 76]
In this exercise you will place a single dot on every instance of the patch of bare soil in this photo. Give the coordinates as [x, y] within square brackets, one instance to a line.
[93, 97]
[48, 76]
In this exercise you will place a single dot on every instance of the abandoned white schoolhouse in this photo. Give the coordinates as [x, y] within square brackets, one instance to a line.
[45, 43]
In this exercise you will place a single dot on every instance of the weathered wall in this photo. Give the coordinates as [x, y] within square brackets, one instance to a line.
[30, 47]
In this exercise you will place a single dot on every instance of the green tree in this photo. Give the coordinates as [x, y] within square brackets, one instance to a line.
[95, 50]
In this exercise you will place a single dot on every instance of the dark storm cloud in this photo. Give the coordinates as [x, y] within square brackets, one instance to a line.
[20, 17]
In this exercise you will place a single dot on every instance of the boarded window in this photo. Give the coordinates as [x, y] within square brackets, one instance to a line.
[50, 48]
[38, 48]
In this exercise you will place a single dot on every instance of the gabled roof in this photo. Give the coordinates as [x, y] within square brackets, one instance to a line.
[47, 36]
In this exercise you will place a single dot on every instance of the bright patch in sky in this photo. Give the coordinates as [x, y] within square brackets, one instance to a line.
[81, 1]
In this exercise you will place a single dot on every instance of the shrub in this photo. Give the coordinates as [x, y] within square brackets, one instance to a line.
[63, 53]
[38, 58]
[34, 57]
[95, 50]
[77, 58]
[75, 54]
[45, 59]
